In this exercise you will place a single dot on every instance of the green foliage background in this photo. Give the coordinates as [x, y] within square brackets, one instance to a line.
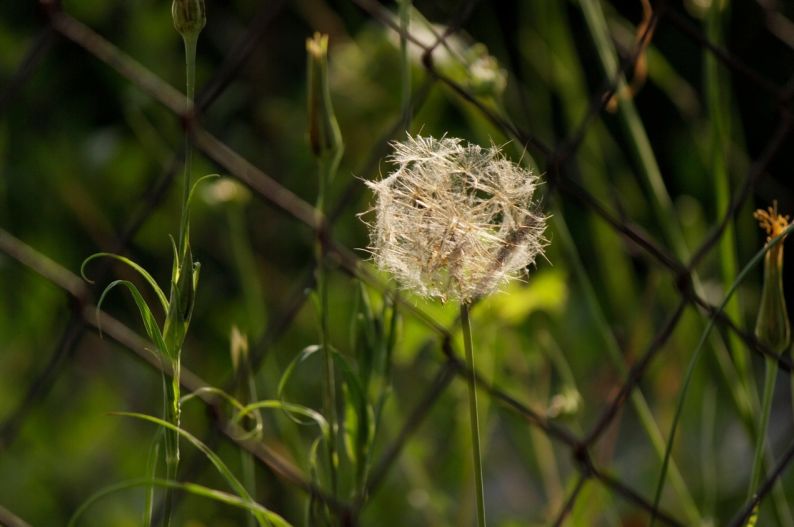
[81, 148]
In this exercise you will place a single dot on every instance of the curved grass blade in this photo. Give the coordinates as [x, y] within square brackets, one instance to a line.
[696, 356]
[193, 488]
[291, 409]
[305, 353]
[239, 407]
[149, 322]
[216, 461]
[214, 391]
[136, 267]
[184, 221]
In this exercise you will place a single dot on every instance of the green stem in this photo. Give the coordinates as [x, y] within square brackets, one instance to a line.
[249, 480]
[326, 170]
[190, 89]
[717, 96]
[791, 383]
[173, 415]
[474, 415]
[405, 63]
[174, 409]
[708, 462]
[760, 439]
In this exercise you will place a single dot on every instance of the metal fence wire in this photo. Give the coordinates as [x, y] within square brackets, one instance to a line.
[61, 28]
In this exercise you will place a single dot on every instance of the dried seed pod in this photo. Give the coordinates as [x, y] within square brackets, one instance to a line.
[454, 220]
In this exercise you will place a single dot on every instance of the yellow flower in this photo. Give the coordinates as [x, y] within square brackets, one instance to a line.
[772, 327]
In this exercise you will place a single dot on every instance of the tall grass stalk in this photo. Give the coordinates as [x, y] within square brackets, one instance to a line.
[717, 103]
[770, 374]
[473, 414]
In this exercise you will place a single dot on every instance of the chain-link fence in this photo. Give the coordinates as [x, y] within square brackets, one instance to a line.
[564, 186]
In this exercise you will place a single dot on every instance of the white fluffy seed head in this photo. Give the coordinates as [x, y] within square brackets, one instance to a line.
[454, 220]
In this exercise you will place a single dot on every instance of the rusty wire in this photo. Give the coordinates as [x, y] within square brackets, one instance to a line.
[85, 317]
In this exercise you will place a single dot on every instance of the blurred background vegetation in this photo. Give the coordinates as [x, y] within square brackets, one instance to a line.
[83, 152]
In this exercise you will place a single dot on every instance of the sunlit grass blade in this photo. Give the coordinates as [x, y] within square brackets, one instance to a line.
[254, 508]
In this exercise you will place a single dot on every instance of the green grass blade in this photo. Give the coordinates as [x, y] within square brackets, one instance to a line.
[213, 391]
[305, 353]
[149, 322]
[290, 408]
[193, 488]
[151, 471]
[639, 143]
[134, 266]
[719, 144]
[216, 461]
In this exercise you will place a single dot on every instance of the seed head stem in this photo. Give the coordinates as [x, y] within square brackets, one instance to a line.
[474, 414]
[326, 168]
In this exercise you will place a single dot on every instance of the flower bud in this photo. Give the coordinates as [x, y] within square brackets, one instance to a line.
[324, 135]
[772, 327]
[184, 282]
[190, 17]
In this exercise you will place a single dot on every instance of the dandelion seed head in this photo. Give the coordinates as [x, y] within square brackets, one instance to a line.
[454, 220]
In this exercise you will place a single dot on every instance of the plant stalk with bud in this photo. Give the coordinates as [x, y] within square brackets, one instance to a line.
[326, 144]
[772, 327]
[189, 18]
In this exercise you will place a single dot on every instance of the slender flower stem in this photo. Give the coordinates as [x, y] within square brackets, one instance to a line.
[174, 410]
[405, 62]
[326, 170]
[766, 407]
[190, 90]
[474, 414]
